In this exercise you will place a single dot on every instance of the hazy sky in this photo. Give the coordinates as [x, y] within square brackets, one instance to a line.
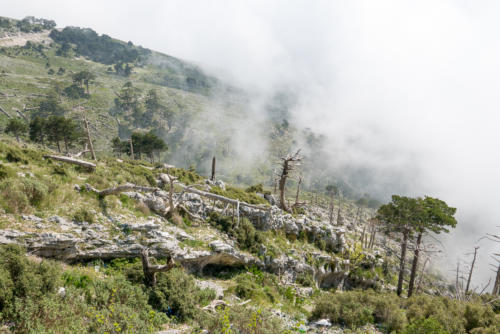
[394, 84]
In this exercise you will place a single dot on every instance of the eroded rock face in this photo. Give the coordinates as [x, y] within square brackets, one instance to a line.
[88, 242]
[127, 236]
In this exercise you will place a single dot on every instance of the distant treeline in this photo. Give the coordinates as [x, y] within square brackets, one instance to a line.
[28, 24]
[99, 48]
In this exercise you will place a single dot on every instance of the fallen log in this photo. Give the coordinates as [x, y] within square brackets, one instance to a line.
[166, 179]
[73, 161]
[120, 189]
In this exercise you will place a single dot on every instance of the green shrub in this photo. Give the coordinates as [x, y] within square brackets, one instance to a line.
[185, 176]
[6, 172]
[176, 294]
[60, 170]
[305, 279]
[260, 287]
[240, 194]
[231, 321]
[13, 153]
[84, 215]
[257, 188]
[17, 195]
[76, 279]
[21, 278]
[477, 315]
[246, 235]
[449, 313]
[392, 313]
[425, 326]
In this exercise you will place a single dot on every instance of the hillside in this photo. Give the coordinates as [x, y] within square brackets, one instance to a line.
[136, 245]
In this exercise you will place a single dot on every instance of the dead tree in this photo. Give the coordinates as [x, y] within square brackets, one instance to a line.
[496, 286]
[131, 149]
[89, 139]
[373, 234]
[340, 219]
[5, 113]
[119, 189]
[471, 270]
[332, 206]
[150, 270]
[298, 204]
[288, 165]
[212, 177]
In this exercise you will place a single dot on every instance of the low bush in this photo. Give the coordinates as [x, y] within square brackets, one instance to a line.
[19, 194]
[30, 301]
[84, 215]
[231, 321]
[246, 235]
[176, 294]
[240, 194]
[6, 172]
[419, 314]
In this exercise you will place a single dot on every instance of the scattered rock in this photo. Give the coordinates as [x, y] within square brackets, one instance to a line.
[322, 323]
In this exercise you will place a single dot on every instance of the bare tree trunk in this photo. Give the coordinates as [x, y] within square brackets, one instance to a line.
[58, 147]
[421, 276]
[289, 163]
[339, 213]
[470, 271]
[282, 184]
[363, 235]
[212, 177]
[89, 139]
[414, 265]
[402, 262]
[457, 286]
[496, 286]
[131, 149]
[150, 270]
[332, 207]
[297, 204]
[372, 239]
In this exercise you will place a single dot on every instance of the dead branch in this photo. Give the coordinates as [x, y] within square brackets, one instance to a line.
[5, 113]
[21, 115]
[120, 189]
[165, 178]
[151, 270]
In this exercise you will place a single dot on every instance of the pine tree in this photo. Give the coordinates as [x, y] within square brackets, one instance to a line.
[16, 127]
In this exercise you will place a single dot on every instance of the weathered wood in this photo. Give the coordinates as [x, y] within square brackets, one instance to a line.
[120, 189]
[73, 161]
[151, 270]
[5, 113]
[496, 286]
[469, 278]
[131, 149]
[213, 170]
[289, 163]
[89, 139]
[165, 178]
[21, 114]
